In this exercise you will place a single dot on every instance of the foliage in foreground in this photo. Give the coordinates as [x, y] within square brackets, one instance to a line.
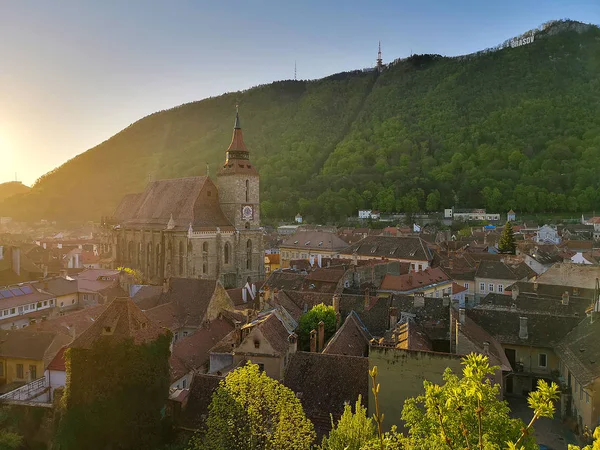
[251, 411]
[9, 438]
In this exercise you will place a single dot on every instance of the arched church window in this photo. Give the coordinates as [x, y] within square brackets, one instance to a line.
[157, 256]
[204, 268]
[247, 225]
[205, 249]
[247, 191]
[149, 259]
[249, 255]
[226, 252]
[181, 250]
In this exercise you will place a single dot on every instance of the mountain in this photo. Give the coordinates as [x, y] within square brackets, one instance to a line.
[504, 128]
[12, 188]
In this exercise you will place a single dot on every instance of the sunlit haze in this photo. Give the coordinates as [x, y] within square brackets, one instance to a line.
[73, 73]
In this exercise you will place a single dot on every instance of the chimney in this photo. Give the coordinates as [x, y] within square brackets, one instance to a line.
[238, 332]
[446, 299]
[166, 285]
[336, 303]
[393, 317]
[293, 340]
[419, 300]
[486, 348]
[321, 336]
[461, 315]
[451, 263]
[313, 341]
[565, 298]
[16, 260]
[338, 320]
[523, 328]
[354, 258]
[45, 269]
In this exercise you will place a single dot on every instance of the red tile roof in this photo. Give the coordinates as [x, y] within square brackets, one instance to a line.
[58, 363]
[414, 280]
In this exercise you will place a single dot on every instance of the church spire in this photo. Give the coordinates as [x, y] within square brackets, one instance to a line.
[237, 125]
[237, 149]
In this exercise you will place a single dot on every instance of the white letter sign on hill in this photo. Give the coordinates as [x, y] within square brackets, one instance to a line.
[522, 41]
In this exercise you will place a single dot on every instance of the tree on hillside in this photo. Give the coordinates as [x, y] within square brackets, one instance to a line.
[507, 242]
[310, 321]
[251, 411]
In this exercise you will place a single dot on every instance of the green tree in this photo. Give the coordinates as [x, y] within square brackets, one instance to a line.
[353, 430]
[251, 411]
[310, 321]
[507, 243]
[466, 412]
[433, 201]
[594, 446]
[9, 438]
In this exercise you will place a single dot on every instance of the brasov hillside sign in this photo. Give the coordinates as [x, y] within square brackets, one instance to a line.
[522, 41]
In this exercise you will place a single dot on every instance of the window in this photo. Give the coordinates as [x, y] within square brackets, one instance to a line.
[149, 259]
[176, 335]
[412, 266]
[33, 372]
[437, 294]
[420, 267]
[226, 252]
[45, 302]
[247, 191]
[249, 255]
[181, 250]
[491, 287]
[20, 371]
[261, 367]
[204, 268]
[500, 288]
[73, 302]
[12, 310]
[482, 287]
[5, 312]
[466, 285]
[157, 256]
[542, 360]
[184, 382]
[185, 333]
[205, 248]
[26, 308]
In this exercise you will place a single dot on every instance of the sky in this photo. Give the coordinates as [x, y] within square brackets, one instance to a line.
[75, 72]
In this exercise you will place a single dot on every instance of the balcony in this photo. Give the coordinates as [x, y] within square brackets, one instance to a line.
[37, 391]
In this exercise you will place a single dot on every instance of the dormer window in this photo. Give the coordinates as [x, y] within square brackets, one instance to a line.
[307, 243]
[208, 193]
[256, 344]
[108, 329]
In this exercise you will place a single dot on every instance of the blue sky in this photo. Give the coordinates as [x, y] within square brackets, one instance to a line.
[75, 72]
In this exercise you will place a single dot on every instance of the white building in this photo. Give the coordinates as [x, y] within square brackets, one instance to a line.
[298, 218]
[547, 235]
[470, 214]
[364, 213]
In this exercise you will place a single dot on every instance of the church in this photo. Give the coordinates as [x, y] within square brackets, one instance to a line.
[194, 228]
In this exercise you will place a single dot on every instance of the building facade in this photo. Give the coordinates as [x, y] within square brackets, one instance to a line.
[194, 228]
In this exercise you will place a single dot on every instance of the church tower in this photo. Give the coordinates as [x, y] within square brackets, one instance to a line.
[238, 184]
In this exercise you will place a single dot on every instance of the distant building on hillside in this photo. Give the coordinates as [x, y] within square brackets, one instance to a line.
[470, 214]
[511, 216]
[298, 218]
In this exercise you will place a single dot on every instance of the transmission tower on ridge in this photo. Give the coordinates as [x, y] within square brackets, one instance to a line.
[379, 59]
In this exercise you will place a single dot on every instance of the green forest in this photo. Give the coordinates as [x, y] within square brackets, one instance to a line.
[513, 128]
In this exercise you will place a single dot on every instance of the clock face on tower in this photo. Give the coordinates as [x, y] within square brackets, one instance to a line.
[247, 212]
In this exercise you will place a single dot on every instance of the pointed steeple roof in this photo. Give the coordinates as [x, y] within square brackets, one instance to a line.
[237, 141]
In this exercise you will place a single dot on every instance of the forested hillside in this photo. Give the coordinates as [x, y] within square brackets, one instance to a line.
[514, 128]
[12, 188]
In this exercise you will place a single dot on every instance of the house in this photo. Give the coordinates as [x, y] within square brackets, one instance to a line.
[56, 373]
[191, 354]
[407, 249]
[325, 383]
[511, 216]
[16, 267]
[579, 370]
[459, 294]
[351, 339]
[24, 355]
[268, 341]
[432, 282]
[470, 215]
[547, 235]
[595, 221]
[540, 260]
[574, 275]
[22, 305]
[494, 276]
[272, 263]
[64, 290]
[298, 218]
[528, 337]
[310, 245]
[98, 286]
[187, 304]
[583, 258]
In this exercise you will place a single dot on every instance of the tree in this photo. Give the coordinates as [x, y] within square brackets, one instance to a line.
[353, 430]
[310, 321]
[251, 411]
[433, 201]
[466, 412]
[507, 242]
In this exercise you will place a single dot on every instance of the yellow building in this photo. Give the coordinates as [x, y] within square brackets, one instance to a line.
[25, 354]
[272, 263]
[310, 245]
